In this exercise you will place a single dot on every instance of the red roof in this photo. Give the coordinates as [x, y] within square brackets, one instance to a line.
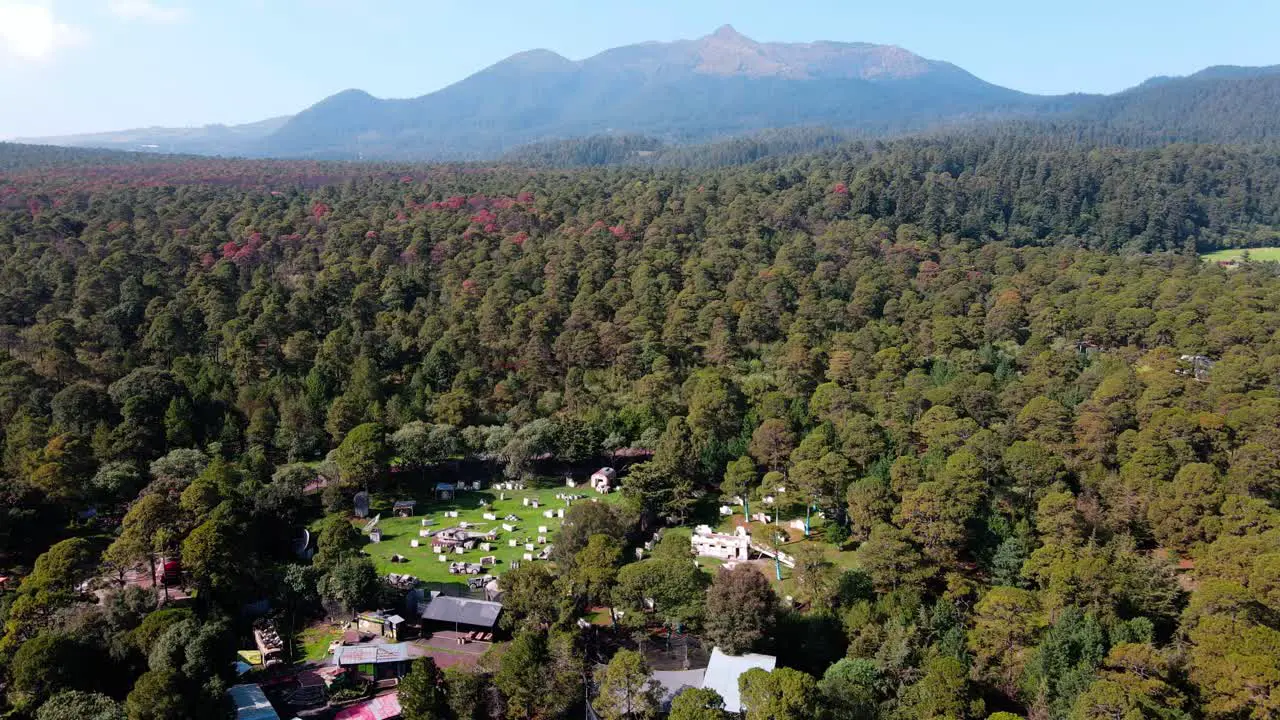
[384, 707]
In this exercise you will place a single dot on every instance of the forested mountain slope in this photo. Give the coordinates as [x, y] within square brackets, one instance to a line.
[965, 355]
[716, 89]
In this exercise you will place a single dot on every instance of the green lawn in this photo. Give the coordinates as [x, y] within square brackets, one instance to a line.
[315, 641]
[397, 533]
[761, 533]
[1259, 254]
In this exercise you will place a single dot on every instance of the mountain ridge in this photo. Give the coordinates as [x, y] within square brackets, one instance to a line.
[715, 87]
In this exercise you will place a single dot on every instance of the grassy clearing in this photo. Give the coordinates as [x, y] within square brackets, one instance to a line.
[315, 641]
[398, 533]
[1262, 254]
[796, 542]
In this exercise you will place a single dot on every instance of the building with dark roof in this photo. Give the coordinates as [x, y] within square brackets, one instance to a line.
[463, 614]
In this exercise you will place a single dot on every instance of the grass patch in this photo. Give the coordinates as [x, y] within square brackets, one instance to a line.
[841, 559]
[315, 641]
[398, 533]
[1262, 254]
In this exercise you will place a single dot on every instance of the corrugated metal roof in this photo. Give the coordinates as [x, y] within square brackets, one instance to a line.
[724, 670]
[480, 613]
[370, 654]
[251, 703]
[380, 708]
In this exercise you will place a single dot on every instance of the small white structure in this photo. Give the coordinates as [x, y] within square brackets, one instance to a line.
[768, 500]
[508, 527]
[490, 516]
[513, 543]
[603, 479]
[797, 524]
[709, 543]
[451, 513]
[542, 529]
[413, 543]
[548, 514]
[528, 556]
[542, 539]
[458, 550]
[560, 513]
[726, 510]
[525, 501]
[424, 533]
[724, 670]
[534, 504]
[570, 482]
[762, 518]
[528, 546]
[486, 547]
[442, 558]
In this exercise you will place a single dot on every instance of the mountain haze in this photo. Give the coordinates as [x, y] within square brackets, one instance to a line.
[720, 86]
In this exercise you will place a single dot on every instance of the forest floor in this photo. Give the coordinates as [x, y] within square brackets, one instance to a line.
[398, 533]
[1259, 254]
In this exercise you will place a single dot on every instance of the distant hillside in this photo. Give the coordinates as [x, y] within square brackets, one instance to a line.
[724, 91]
[207, 140]
[1219, 104]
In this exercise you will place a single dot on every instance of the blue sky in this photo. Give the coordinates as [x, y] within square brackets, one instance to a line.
[86, 65]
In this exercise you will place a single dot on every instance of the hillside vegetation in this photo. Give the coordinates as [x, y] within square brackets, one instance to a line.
[973, 358]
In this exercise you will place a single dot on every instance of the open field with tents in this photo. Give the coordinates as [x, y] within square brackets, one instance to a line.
[398, 533]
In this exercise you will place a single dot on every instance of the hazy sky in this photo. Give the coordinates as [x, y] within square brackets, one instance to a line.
[85, 65]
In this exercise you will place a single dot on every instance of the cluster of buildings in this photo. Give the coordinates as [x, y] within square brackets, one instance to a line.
[376, 648]
[729, 547]
[376, 651]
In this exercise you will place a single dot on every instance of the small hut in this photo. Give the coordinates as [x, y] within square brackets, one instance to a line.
[602, 480]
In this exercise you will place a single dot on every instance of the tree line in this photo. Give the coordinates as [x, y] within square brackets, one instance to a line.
[976, 361]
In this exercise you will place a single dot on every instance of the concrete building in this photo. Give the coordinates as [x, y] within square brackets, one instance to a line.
[709, 543]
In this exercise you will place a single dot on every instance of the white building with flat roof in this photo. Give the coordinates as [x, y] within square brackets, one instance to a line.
[724, 670]
[709, 543]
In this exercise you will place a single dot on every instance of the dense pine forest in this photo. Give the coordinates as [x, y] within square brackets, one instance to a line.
[1036, 435]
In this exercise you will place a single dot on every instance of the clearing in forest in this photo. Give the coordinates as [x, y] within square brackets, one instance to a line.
[1260, 254]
